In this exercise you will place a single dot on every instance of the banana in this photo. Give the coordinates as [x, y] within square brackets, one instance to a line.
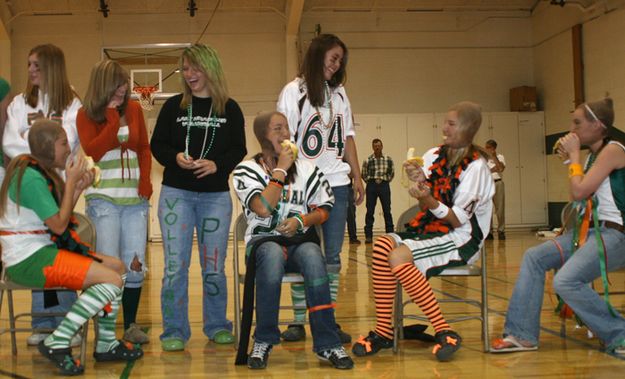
[556, 146]
[96, 170]
[287, 143]
[411, 157]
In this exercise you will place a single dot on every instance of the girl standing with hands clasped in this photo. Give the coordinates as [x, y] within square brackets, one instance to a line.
[49, 95]
[582, 255]
[199, 139]
[321, 124]
[35, 206]
[112, 131]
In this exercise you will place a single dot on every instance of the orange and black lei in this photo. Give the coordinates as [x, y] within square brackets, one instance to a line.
[69, 240]
[443, 182]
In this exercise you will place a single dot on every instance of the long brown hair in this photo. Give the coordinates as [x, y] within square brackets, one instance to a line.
[41, 139]
[313, 65]
[106, 77]
[54, 79]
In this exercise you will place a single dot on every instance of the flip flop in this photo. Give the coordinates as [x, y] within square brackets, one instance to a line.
[509, 344]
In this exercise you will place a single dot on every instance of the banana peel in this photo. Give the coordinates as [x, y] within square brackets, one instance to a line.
[96, 170]
[287, 143]
[412, 158]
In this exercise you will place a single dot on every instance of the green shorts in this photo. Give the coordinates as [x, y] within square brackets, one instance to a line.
[29, 272]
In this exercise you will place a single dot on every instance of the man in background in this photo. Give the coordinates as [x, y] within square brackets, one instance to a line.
[377, 172]
[497, 164]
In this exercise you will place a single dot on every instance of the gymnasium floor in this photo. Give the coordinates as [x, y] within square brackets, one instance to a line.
[570, 355]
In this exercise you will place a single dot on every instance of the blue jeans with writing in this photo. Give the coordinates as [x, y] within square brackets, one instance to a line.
[571, 282]
[272, 261]
[180, 212]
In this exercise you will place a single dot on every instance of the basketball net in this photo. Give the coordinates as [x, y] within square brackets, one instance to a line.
[146, 96]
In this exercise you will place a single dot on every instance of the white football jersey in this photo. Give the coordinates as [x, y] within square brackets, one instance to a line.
[320, 134]
[473, 196]
[309, 190]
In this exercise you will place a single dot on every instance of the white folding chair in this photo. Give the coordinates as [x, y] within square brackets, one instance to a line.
[468, 270]
[239, 276]
[87, 234]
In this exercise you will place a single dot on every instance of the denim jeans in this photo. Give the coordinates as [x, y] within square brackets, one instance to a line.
[271, 264]
[383, 191]
[66, 300]
[571, 282]
[210, 214]
[121, 233]
[334, 229]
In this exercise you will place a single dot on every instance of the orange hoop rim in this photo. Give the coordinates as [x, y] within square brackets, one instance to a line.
[144, 91]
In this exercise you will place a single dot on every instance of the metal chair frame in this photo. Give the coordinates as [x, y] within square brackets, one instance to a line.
[239, 278]
[86, 231]
[468, 270]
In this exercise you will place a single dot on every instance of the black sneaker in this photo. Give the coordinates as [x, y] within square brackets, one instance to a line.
[344, 337]
[294, 333]
[501, 235]
[259, 356]
[337, 357]
[354, 241]
[371, 344]
[368, 240]
[447, 343]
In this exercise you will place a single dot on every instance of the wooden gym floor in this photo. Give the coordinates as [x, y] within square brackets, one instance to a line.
[570, 355]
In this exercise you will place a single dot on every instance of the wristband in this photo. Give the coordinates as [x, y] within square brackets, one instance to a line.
[279, 170]
[277, 181]
[440, 211]
[575, 169]
[266, 204]
[300, 219]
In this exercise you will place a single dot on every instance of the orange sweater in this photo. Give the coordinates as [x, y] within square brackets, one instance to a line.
[97, 139]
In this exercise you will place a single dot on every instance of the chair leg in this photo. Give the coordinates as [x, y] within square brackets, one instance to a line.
[485, 333]
[398, 316]
[83, 345]
[12, 321]
[237, 311]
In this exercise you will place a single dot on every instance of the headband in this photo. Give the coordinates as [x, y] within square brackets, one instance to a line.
[594, 115]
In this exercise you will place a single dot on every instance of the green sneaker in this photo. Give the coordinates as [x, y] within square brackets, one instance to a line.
[223, 337]
[172, 344]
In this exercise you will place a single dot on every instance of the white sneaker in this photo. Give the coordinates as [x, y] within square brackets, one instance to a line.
[35, 338]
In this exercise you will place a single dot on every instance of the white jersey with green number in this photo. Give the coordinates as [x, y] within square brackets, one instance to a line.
[320, 134]
[309, 190]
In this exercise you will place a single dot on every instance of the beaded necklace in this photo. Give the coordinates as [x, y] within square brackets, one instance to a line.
[208, 125]
[443, 182]
[328, 104]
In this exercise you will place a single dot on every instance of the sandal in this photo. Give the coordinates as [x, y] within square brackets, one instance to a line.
[509, 344]
[447, 343]
[62, 358]
[124, 351]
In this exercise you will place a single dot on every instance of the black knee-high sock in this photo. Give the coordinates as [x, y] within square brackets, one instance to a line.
[130, 303]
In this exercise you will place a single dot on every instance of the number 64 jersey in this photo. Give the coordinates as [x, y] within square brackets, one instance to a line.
[320, 133]
[308, 190]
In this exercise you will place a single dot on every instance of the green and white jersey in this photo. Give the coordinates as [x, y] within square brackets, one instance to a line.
[309, 190]
[611, 194]
[36, 204]
[320, 133]
[119, 175]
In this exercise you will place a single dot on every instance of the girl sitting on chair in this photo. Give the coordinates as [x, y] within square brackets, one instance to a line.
[283, 198]
[454, 188]
[39, 248]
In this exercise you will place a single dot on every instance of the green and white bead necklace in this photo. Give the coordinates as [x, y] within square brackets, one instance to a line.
[208, 125]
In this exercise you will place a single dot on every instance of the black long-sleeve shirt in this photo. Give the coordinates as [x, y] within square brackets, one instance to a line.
[227, 148]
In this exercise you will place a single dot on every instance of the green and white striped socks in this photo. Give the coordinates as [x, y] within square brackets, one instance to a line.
[90, 302]
[106, 325]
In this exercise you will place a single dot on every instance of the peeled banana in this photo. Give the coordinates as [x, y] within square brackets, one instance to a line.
[96, 170]
[288, 143]
[411, 157]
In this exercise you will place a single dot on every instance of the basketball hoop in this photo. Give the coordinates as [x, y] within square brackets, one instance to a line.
[145, 95]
